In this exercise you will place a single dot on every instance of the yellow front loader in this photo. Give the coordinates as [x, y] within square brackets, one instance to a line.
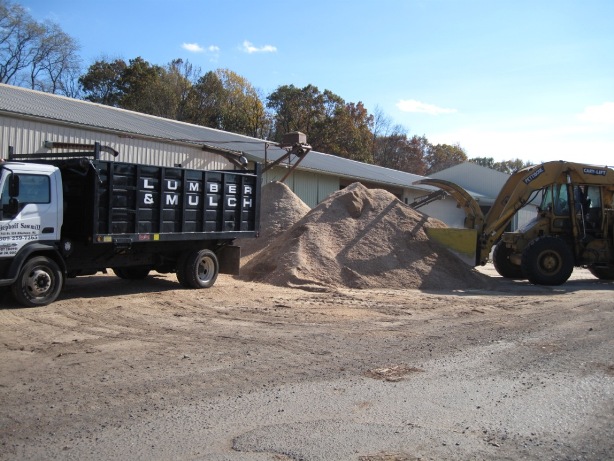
[573, 226]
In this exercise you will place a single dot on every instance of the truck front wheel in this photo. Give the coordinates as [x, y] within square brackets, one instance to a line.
[39, 282]
[547, 261]
[198, 269]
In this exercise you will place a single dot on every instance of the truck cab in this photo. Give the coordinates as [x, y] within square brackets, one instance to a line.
[31, 210]
[30, 206]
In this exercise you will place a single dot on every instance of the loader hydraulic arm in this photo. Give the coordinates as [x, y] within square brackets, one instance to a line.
[516, 193]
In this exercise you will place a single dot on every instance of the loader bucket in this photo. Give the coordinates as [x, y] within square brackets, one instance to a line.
[474, 218]
[460, 242]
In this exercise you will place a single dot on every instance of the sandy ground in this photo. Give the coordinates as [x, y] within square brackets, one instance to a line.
[247, 371]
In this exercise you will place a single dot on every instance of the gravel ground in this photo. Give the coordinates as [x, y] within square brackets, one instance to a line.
[246, 371]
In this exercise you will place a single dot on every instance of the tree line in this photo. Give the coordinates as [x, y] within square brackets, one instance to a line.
[42, 57]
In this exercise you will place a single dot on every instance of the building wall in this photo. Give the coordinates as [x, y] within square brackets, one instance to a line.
[29, 136]
[310, 187]
[477, 178]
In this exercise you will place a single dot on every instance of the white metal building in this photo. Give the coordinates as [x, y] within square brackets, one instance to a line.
[485, 184]
[29, 120]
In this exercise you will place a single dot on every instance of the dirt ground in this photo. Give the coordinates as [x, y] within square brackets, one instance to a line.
[248, 371]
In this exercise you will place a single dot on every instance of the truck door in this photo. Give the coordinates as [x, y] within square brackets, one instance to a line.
[37, 216]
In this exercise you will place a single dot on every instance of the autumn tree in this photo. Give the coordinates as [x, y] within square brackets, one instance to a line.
[242, 110]
[178, 81]
[35, 55]
[224, 100]
[444, 156]
[349, 133]
[392, 148]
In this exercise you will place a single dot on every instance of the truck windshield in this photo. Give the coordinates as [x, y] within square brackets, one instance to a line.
[32, 189]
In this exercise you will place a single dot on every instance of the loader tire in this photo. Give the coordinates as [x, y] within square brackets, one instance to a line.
[602, 273]
[502, 263]
[39, 282]
[547, 261]
[198, 269]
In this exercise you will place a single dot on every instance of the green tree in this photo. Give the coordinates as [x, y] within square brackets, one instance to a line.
[303, 109]
[505, 166]
[444, 156]
[331, 125]
[205, 99]
[142, 89]
[511, 166]
[102, 82]
[487, 162]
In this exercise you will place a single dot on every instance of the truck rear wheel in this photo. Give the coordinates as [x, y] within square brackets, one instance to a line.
[39, 282]
[502, 263]
[132, 273]
[198, 269]
[547, 261]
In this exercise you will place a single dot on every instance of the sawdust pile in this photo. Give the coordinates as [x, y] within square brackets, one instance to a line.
[359, 238]
[280, 208]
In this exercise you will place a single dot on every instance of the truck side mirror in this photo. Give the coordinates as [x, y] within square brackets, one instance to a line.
[10, 205]
[12, 208]
[13, 185]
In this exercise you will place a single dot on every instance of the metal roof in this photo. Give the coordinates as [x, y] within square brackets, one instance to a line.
[35, 104]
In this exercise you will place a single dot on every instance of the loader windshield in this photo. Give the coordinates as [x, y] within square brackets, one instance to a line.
[555, 198]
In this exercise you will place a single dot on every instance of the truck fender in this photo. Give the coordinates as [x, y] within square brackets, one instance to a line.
[26, 252]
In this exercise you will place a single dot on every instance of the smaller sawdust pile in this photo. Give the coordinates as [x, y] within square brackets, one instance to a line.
[361, 238]
[280, 208]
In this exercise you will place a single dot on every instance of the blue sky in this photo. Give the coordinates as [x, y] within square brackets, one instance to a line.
[505, 79]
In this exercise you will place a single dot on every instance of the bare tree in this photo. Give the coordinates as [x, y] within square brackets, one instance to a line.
[55, 57]
[35, 55]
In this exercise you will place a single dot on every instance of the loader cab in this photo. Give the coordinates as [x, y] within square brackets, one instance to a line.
[587, 207]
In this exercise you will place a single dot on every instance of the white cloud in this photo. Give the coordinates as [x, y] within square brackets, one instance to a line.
[249, 48]
[565, 142]
[603, 113]
[213, 49]
[411, 105]
[193, 47]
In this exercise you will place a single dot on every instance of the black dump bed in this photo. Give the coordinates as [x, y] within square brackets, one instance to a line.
[107, 200]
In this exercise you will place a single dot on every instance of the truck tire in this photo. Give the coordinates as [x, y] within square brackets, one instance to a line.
[547, 261]
[501, 261]
[132, 273]
[39, 282]
[602, 273]
[198, 269]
